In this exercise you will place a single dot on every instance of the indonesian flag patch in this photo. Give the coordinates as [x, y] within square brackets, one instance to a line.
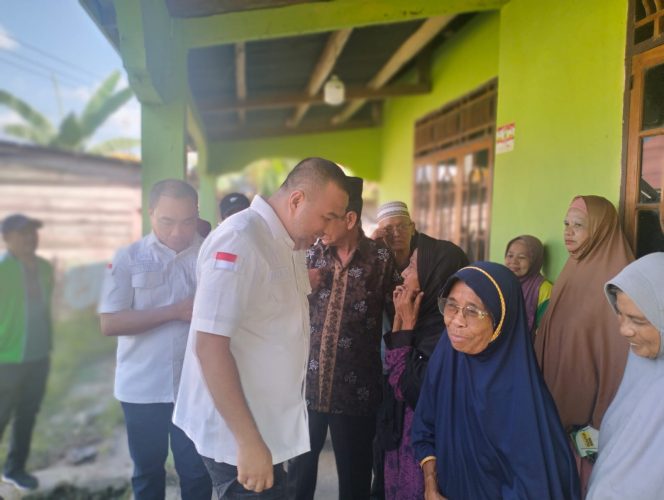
[224, 260]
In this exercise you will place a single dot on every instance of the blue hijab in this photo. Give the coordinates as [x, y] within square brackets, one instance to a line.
[488, 418]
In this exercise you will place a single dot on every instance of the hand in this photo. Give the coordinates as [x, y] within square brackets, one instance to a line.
[182, 310]
[398, 321]
[407, 306]
[378, 234]
[431, 482]
[314, 278]
[433, 495]
[254, 467]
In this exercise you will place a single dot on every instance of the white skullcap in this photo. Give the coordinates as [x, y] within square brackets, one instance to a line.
[392, 209]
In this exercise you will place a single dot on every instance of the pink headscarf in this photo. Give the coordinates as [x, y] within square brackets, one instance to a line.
[532, 280]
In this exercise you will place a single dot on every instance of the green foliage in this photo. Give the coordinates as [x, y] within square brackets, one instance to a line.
[260, 177]
[74, 131]
[38, 123]
[112, 145]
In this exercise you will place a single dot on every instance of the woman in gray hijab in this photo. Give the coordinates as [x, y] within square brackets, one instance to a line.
[631, 440]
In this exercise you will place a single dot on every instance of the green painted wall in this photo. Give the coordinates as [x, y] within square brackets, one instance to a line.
[358, 150]
[561, 81]
[463, 63]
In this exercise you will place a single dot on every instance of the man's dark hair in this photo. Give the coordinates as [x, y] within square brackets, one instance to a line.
[233, 203]
[315, 173]
[174, 188]
[354, 188]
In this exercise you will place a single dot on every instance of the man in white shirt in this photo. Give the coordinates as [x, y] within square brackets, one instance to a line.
[147, 302]
[241, 399]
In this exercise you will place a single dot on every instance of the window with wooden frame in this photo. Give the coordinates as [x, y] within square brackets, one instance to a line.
[644, 164]
[454, 171]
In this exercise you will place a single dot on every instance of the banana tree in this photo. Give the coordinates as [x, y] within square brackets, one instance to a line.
[74, 131]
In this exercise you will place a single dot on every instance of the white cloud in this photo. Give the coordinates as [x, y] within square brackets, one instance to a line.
[127, 120]
[6, 43]
[9, 117]
[81, 94]
[124, 81]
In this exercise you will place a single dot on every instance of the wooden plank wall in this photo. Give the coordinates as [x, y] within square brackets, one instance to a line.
[89, 207]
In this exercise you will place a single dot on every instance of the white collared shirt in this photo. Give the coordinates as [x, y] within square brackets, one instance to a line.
[146, 275]
[252, 288]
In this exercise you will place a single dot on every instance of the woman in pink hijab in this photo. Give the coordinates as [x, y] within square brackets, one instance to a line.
[524, 256]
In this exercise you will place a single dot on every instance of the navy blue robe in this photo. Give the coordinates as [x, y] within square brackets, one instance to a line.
[488, 418]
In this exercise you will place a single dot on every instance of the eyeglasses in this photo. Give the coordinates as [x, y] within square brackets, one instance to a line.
[401, 228]
[450, 309]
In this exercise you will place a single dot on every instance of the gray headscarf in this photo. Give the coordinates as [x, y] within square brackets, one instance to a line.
[631, 440]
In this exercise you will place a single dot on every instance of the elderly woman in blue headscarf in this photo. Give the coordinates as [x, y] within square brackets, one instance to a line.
[631, 440]
[485, 426]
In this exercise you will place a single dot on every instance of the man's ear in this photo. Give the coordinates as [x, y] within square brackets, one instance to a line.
[295, 199]
[351, 219]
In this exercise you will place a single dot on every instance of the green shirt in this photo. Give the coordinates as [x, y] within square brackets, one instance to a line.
[25, 330]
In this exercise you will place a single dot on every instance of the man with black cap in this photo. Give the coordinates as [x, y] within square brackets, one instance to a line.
[26, 286]
[352, 278]
[232, 203]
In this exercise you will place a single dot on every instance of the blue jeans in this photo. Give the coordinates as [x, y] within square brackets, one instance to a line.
[224, 479]
[149, 427]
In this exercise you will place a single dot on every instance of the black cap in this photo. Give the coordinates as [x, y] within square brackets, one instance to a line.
[354, 186]
[232, 203]
[16, 222]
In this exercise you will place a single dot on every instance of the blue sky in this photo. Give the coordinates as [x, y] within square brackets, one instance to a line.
[62, 30]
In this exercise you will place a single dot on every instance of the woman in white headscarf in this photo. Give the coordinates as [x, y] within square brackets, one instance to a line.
[631, 440]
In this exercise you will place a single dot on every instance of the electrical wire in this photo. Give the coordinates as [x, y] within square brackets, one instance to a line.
[54, 57]
[48, 69]
[33, 71]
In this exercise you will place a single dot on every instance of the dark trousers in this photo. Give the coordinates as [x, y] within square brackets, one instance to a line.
[22, 388]
[352, 439]
[224, 480]
[149, 427]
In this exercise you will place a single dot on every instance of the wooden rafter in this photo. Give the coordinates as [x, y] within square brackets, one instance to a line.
[240, 78]
[236, 133]
[195, 8]
[409, 49]
[288, 100]
[263, 24]
[324, 67]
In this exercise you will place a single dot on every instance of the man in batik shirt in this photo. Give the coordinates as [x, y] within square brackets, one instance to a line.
[352, 278]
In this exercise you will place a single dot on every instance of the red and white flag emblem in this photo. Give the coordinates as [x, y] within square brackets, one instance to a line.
[224, 260]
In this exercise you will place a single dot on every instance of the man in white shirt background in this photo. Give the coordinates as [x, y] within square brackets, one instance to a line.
[147, 302]
[241, 398]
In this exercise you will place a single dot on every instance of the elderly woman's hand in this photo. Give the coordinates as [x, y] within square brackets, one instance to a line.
[407, 307]
[431, 482]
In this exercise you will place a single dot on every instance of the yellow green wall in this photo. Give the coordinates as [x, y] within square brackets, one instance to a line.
[358, 150]
[463, 63]
[561, 81]
[560, 69]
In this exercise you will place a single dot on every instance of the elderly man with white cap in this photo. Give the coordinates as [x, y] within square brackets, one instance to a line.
[397, 229]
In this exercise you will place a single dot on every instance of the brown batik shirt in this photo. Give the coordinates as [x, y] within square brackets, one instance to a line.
[346, 310]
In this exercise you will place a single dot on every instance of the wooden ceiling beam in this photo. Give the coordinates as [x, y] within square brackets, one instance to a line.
[409, 49]
[318, 17]
[241, 133]
[331, 52]
[240, 78]
[288, 100]
[196, 8]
